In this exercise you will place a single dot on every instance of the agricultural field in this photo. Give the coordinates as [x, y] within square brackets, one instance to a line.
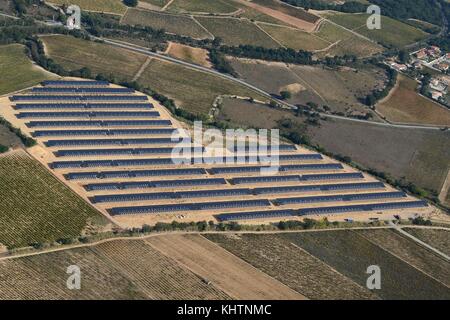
[279, 258]
[74, 53]
[38, 208]
[439, 239]
[393, 33]
[345, 42]
[193, 90]
[294, 12]
[17, 70]
[190, 54]
[350, 254]
[420, 156]
[411, 252]
[294, 38]
[405, 105]
[177, 24]
[202, 6]
[158, 3]
[238, 279]
[235, 32]
[107, 6]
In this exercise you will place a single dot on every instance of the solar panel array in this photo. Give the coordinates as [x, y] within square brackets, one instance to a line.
[87, 124]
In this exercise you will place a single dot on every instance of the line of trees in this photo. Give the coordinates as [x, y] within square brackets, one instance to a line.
[376, 95]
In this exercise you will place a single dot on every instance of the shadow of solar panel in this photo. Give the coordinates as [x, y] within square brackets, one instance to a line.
[338, 198]
[255, 215]
[364, 207]
[80, 114]
[102, 142]
[310, 188]
[62, 106]
[264, 179]
[134, 174]
[98, 123]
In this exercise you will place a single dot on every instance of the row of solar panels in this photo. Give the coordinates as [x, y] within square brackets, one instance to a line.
[107, 132]
[40, 106]
[76, 98]
[338, 198]
[75, 83]
[323, 210]
[170, 161]
[99, 123]
[103, 142]
[228, 204]
[81, 90]
[126, 151]
[134, 173]
[233, 192]
[206, 181]
[92, 114]
[296, 167]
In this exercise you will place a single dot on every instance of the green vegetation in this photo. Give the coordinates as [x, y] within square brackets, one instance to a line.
[26, 140]
[130, 3]
[37, 208]
[235, 32]
[107, 6]
[202, 6]
[17, 71]
[3, 148]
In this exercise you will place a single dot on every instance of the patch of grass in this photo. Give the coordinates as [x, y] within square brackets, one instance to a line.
[17, 71]
[110, 6]
[295, 39]
[351, 254]
[292, 266]
[235, 32]
[406, 105]
[284, 8]
[190, 54]
[36, 207]
[177, 24]
[203, 6]
[193, 90]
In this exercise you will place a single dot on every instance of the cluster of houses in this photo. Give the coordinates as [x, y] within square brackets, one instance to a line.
[439, 88]
[433, 58]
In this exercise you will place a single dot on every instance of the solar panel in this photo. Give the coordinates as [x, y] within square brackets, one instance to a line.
[127, 151]
[105, 132]
[95, 114]
[59, 106]
[99, 123]
[81, 90]
[102, 142]
[337, 198]
[264, 179]
[75, 83]
[333, 176]
[255, 215]
[309, 188]
[153, 184]
[133, 174]
[77, 98]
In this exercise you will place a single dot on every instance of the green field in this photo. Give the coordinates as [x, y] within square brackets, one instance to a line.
[17, 71]
[295, 39]
[201, 6]
[393, 33]
[158, 3]
[74, 53]
[110, 6]
[38, 208]
[193, 90]
[235, 32]
[177, 24]
[351, 254]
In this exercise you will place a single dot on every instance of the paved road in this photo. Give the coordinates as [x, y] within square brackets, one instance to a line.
[248, 85]
[396, 227]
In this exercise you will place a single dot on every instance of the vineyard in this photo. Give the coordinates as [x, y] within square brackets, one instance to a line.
[436, 238]
[36, 208]
[292, 266]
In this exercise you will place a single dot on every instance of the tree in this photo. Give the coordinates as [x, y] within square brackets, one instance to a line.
[130, 3]
[285, 95]
[3, 148]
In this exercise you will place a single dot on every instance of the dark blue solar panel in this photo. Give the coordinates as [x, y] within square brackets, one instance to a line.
[333, 176]
[134, 174]
[299, 167]
[75, 83]
[110, 132]
[346, 197]
[102, 142]
[128, 151]
[153, 184]
[213, 193]
[81, 90]
[255, 215]
[263, 179]
[80, 114]
[99, 123]
[309, 188]
[77, 98]
[58, 106]
[281, 147]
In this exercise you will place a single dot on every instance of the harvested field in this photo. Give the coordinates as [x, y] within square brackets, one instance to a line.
[439, 239]
[294, 12]
[17, 71]
[157, 275]
[177, 24]
[421, 156]
[295, 39]
[108, 6]
[202, 6]
[351, 254]
[190, 54]
[410, 252]
[238, 279]
[74, 53]
[294, 267]
[179, 83]
[38, 208]
[405, 105]
[393, 33]
[235, 32]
